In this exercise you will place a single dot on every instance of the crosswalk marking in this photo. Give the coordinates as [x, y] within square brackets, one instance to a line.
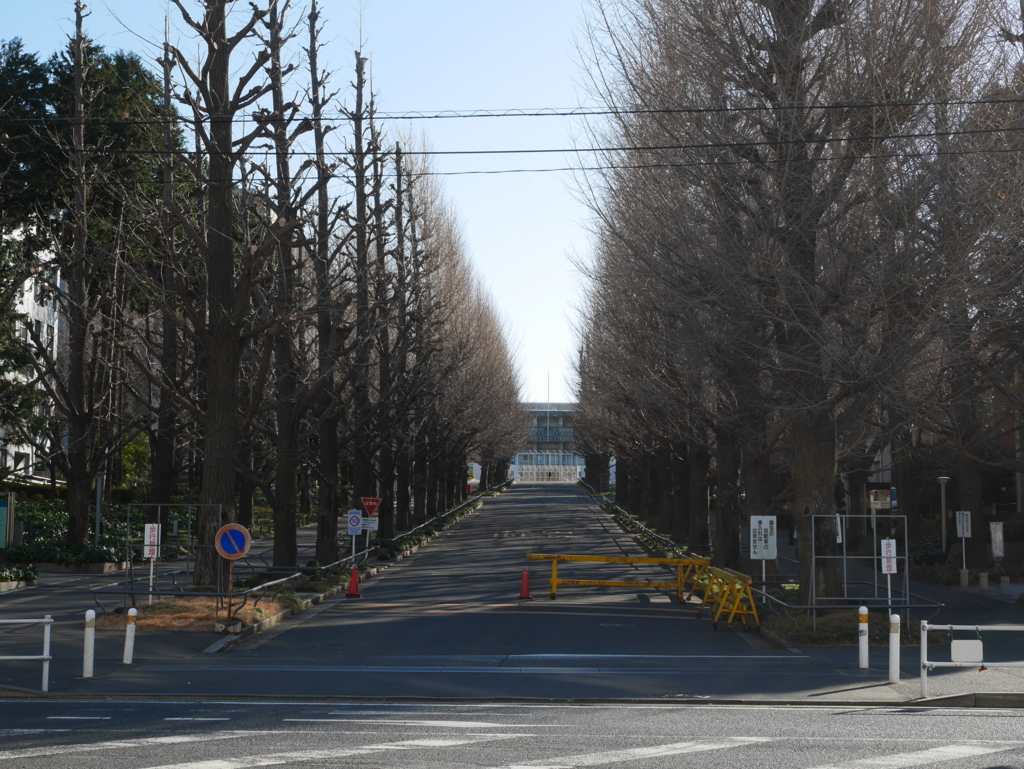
[317, 755]
[119, 744]
[634, 754]
[921, 757]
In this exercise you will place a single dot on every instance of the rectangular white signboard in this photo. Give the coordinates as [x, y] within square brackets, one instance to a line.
[963, 523]
[763, 532]
[888, 556]
[998, 550]
[355, 523]
[371, 524]
[151, 541]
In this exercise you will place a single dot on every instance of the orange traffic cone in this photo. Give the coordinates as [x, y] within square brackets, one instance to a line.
[353, 584]
[524, 591]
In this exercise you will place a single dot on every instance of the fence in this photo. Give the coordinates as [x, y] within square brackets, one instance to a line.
[963, 653]
[45, 656]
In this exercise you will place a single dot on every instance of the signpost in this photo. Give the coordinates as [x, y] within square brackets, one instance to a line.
[371, 522]
[355, 526]
[151, 550]
[763, 545]
[889, 564]
[232, 542]
[963, 530]
[998, 548]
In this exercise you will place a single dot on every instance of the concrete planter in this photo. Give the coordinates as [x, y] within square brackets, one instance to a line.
[6, 587]
[80, 568]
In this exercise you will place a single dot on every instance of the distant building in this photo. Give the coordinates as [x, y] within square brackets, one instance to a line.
[40, 322]
[550, 452]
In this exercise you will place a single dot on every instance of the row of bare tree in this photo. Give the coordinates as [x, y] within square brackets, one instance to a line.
[809, 233]
[280, 296]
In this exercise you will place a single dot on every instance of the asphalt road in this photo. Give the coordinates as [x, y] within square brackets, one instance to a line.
[446, 624]
[231, 735]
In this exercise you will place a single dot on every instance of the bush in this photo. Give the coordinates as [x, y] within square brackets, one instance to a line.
[51, 552]
[17, 573]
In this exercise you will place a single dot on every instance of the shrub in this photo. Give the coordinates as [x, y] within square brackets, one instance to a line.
[17, 573]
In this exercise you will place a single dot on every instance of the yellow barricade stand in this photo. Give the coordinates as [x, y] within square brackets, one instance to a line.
[728, 593]
[688, 571]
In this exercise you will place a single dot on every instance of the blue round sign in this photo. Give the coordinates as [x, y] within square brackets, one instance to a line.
[232, 541]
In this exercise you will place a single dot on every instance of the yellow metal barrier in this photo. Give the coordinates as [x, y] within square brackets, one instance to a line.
[689, 571]
[728, 592]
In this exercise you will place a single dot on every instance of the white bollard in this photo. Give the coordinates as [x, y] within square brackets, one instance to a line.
[129, 637]
[983, 580]
[1004, 585]
[924, 658]
[89, 652]
[46, 655]
[894, 648]
[862, 636]
[965, 578]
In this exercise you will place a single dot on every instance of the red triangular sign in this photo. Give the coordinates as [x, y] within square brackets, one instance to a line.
[371, 504]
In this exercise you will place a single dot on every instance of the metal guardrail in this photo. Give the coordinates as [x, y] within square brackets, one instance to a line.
[45, 656]
[443, 517]
[971, 654]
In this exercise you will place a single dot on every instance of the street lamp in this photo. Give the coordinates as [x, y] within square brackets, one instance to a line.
[943, 479]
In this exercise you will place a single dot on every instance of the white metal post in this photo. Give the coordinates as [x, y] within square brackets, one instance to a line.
[924, 658]
[152, 562]
[862, 636]
[46, 653]
[129, 637]
[89, 651]
[894, 648]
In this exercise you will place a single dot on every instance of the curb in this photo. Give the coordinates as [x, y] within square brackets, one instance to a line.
[979, 700]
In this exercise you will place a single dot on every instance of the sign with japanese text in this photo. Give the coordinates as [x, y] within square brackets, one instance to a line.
[963, 523]
[888, 556]
[151, 541]
[763, 532]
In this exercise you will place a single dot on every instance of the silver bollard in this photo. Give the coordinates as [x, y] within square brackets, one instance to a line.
[1004, 585]
[983, 580]
[894, 648]
[862, 636]
[129, 637]
[46, 654]
[89, 652]
[965, 578]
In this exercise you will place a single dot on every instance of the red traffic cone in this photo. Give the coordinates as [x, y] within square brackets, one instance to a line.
[353, 584]
[524, 591]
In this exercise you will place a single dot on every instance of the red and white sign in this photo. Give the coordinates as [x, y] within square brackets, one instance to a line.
[371, 504]
[151, 541]
[888, 556]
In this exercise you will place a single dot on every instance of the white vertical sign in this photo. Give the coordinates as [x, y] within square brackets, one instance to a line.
[963, 524]
[151, 541]
[888, 556]
[763, 546]
[998, 550]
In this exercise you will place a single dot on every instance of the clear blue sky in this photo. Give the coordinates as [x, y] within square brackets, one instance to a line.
[521, 229]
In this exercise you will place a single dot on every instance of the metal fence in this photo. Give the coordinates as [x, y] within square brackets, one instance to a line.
[45, 656]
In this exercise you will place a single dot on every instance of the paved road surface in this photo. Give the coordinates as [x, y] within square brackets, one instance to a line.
[232, 735]
[446, 623]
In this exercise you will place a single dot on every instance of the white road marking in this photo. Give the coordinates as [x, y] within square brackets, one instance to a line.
[16, 732]
[120, 744]
[635, 754]
[315, 755]
[197, 719]
[78, 718]
[452, 724]
[922, 757]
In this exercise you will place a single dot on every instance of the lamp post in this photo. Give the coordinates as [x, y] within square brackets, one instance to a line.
[943, 479]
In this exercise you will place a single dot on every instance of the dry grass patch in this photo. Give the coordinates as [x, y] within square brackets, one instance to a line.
[841, 628]
[188, 615]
